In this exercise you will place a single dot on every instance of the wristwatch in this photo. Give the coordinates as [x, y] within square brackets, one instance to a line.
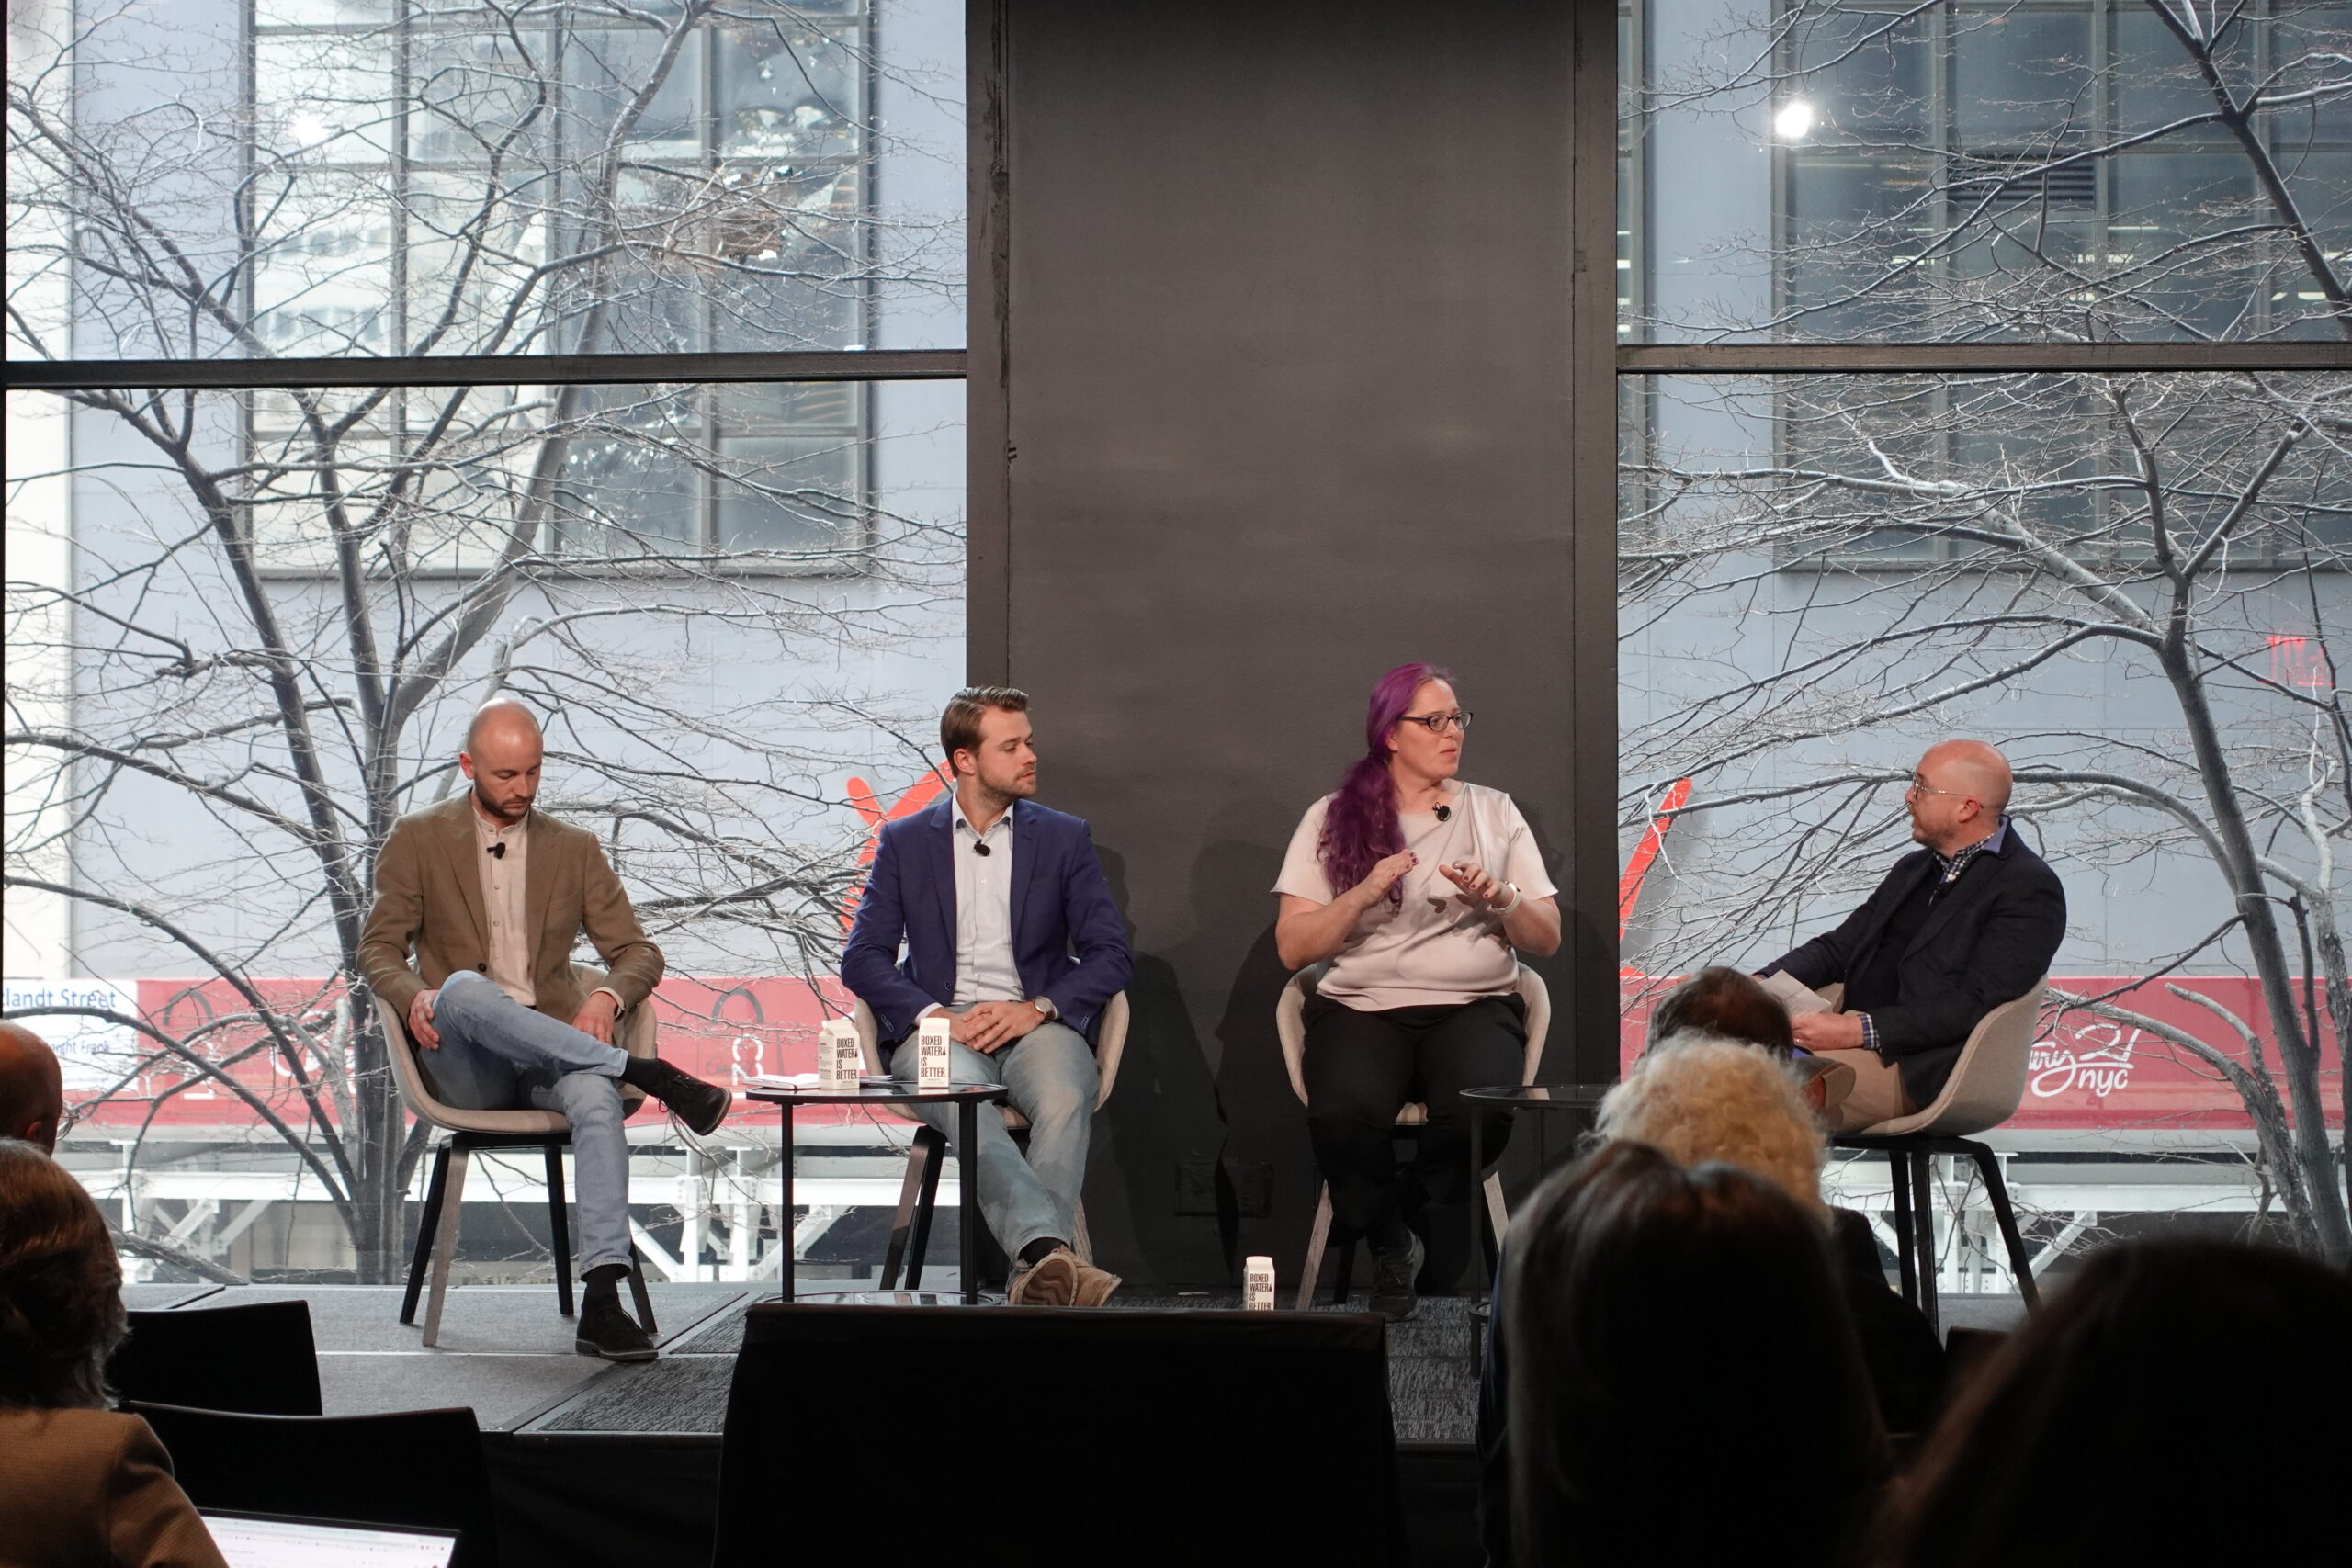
[1044, 1007]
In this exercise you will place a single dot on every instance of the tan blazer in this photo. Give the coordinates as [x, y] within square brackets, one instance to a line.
[92, 1489]
[428, 900]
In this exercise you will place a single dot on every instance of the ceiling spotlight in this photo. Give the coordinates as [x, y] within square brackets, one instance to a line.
[1792, 121]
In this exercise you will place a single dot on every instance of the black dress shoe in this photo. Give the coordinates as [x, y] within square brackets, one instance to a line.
[606, 1330]
[1393, 1296]
[701, 1106]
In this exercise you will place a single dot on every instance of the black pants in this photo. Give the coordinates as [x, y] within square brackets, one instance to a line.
[1363, 1067]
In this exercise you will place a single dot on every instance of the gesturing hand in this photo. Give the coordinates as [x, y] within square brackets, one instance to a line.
[1482, 890]
[1382, 876]
[420, 1020]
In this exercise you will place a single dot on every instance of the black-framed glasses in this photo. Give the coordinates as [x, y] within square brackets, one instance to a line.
[1439, 722]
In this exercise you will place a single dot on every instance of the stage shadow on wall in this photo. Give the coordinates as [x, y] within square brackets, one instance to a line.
[1206, 1140]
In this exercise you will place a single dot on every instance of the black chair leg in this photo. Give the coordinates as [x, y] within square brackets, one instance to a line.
[926, 1205]
[1347, 1273]
[427, 1224]
[639, 1294]
[1923, 1232]
[558, 1230]
[1996, 1191]
[919, 1154]
[1898, 1172]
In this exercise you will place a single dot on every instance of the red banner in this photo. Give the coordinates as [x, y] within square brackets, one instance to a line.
[2089, 1073]
[728, 1030]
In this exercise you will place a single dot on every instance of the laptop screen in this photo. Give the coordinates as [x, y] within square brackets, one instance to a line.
[262, 1541]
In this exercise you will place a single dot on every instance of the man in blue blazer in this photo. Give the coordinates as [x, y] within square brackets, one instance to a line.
[1009, 932]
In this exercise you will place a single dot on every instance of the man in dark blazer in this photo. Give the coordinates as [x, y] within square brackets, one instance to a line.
[1009, 932]
[1961, 925]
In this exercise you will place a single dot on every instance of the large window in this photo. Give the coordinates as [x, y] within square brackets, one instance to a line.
[394, 356]
[1990, 368]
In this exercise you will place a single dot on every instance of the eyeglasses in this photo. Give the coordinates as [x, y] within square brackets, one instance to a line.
[1439, 722]
[1920, 786]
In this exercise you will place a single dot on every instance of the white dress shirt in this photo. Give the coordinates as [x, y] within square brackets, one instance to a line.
[504, 877]
[985, 970]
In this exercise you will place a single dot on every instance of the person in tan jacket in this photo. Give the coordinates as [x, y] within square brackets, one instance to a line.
[490, 896]
[80, 1485]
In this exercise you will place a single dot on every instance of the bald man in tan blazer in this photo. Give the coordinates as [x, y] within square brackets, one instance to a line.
[489, 896]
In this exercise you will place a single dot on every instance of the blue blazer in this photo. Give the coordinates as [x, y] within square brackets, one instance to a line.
[1068, 943]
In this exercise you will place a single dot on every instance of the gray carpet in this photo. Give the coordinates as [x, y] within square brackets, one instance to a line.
[505, 1351]
[1432, 1380]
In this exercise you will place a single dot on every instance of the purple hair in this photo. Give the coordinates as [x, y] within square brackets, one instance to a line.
[1360, 829]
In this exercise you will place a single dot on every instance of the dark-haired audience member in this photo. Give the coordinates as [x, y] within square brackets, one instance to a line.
[1700, 1098]
[32, 1090]
[80, 1486]
[1717, 1000]
[2179, 1402]
[1684, 1382]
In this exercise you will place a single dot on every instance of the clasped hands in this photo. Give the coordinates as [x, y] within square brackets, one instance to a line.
[989, 1027]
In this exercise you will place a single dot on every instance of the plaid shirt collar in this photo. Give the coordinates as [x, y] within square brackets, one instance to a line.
[1957, 862]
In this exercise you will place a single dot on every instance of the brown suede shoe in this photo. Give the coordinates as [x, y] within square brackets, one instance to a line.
[1095, 1286]
[1051, 1281]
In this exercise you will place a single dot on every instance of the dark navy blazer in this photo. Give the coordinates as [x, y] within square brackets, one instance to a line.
[1069, 942]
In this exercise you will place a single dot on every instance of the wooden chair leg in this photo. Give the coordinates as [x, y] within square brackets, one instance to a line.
[427, 1224]
[1316, 1239]
[1996, 1192]
[926, 1205]
[1498, 1219]
[558, 1230]
[638, 1293]
[445, 1241]
[902, 1223]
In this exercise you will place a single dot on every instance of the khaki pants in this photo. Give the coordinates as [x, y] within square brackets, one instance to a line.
[1860, 1091]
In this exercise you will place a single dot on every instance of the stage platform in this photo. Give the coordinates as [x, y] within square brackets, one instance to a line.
[598, 1462]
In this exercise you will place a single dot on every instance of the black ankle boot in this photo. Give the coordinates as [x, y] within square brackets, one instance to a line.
[701, 1106]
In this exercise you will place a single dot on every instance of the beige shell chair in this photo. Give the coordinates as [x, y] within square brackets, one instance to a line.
[1290, 1025]
[436, 1232]
[1987, 1084]
[917, 1194]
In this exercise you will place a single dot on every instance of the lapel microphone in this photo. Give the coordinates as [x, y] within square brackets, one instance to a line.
[1446, 814]
[980, 846]
[498, 849]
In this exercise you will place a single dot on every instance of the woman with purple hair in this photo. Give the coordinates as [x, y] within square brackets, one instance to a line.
[1419, 890]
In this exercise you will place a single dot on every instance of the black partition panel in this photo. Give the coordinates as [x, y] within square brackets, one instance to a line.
[1277, 380]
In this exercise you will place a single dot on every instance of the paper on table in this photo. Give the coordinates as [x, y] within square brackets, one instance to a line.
[1795, 994]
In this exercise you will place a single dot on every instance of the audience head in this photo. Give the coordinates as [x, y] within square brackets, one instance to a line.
[503, 750]
[987, 739]
[1958, 793]
[32, 1090]
[60, 1287]
[1701, 1098]
[2179, 1402]
[1684, 1381]
[1360, 826]
[1717, 1000]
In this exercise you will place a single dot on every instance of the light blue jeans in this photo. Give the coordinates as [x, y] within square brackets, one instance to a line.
[1049, 1075]
[497, 1054]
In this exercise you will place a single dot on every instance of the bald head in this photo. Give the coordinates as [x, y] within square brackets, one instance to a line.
[1958, 793]
[32, 1090]
[501, 756]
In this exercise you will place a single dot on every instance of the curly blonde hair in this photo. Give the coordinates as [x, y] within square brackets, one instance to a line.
[1702, 1097]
